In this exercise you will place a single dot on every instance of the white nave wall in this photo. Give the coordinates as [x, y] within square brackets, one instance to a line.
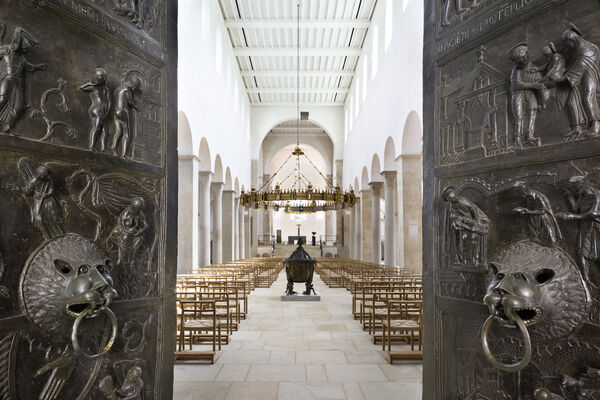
[391, 64]
[211, 91]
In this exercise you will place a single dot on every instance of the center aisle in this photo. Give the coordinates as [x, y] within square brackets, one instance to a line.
[299, 351]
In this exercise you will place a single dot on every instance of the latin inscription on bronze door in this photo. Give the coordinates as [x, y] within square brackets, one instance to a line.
[512, 186]
[87, 172]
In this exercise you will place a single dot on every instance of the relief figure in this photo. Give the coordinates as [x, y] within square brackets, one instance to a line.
[567, 97]
[46, 211]
[128, 235]
[585, 203]
[583, 75]
[470, 226]
[459, 7]
[130, 390]
[528, 96]
[99, 109]
[138, 12]
[123, 119]
[541, 218]
[14, 66]
[545, 394]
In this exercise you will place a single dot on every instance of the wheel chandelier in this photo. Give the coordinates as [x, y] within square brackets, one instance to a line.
[302, 198]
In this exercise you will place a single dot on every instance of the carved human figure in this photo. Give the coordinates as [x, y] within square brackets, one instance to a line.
[567, 97]
[541, 218]
[128, 235]
[46, 211]
[458, 5]
[130, 390]
[124, 104]
[134, 9]
[545, 394]
[470, 226]
[527, 95]
[586, 206]
[583, 74]
[100, 107]
[14, 66]
[576, 388]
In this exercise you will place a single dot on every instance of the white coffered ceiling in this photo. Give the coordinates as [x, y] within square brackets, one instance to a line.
[263, 35]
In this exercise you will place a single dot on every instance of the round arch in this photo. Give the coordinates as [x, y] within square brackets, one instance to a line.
[228, 179]
[389, 155]
[376, 169]
[204, 155]
[365, 178]
[412, 136]
[184, 135]
[218, 172]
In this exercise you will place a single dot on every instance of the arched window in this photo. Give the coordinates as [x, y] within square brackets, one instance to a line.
[365, 77]
[389, 22]
[375, 52]
[219, 53]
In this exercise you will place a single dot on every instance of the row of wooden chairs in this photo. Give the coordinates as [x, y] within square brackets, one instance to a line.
[387, 301]
[211, 302]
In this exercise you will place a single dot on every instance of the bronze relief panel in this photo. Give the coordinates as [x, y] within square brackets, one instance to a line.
[521, 90]
[84, 255]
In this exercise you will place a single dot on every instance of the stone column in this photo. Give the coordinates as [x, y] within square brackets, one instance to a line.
[342, 241]
[236, 227]
[390, 219]
[376, 221]
[352, 236]
[242, 233]
[217, 188]
[266, 214]
[228, 219]
[187, 216]
[411, 207]
[204, 178]
[253, 232]
[366, 225]
[357, 230]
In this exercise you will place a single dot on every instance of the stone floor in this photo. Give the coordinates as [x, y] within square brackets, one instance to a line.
[299, 350]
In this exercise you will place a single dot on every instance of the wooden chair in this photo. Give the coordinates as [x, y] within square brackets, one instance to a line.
[404, 321]
[197, 322]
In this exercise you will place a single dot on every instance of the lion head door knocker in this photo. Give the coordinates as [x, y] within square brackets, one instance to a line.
[65, 285]
[65, 281]
[536, 289]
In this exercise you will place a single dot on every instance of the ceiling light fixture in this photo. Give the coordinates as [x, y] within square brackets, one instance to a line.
[302, 198]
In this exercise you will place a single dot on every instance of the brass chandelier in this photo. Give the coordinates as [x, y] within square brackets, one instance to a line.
[302, 198]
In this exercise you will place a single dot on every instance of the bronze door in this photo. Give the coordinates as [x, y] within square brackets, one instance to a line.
[88, 181]
[512, 199]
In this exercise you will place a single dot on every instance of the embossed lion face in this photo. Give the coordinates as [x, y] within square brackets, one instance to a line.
[541, 285]
[62, 278]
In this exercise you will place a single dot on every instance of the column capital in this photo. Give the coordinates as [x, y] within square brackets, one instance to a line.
[376, 184]
[205, 173]
[228, 191]
[218, 184]
[389, 173]
[183, 157]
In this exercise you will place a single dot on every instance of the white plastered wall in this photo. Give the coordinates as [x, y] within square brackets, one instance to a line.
[213, 106]
[385, 97]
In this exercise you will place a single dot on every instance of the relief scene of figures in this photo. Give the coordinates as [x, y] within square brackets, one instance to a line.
[541, 90]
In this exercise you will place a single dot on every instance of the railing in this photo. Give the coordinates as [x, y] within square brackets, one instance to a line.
[264, 240]
[328, 240]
